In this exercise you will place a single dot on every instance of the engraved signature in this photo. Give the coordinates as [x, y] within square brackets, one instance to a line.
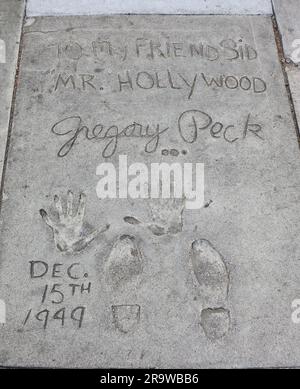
[73, 127]
[190, 124]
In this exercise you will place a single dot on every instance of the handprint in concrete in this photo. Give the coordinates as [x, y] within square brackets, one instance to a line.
[166, 216]
[70, 233]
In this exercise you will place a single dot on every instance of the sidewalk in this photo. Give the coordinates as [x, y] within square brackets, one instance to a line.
[287, 14]
[139, 282]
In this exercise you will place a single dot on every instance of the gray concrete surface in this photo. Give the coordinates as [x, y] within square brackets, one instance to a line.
[293, 74]
[161, 286]
[94, 7]
[288, 15]
[11, 18]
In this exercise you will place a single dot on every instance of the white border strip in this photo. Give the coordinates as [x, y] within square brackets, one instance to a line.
[108, 7]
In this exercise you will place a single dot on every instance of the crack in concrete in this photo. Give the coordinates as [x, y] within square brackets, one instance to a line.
[12, 107]
[284, 66]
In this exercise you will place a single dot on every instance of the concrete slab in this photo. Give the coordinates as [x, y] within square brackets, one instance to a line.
[94, 7]
[162, 286]
[288, 15]
[293, 74]
[11, 18]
